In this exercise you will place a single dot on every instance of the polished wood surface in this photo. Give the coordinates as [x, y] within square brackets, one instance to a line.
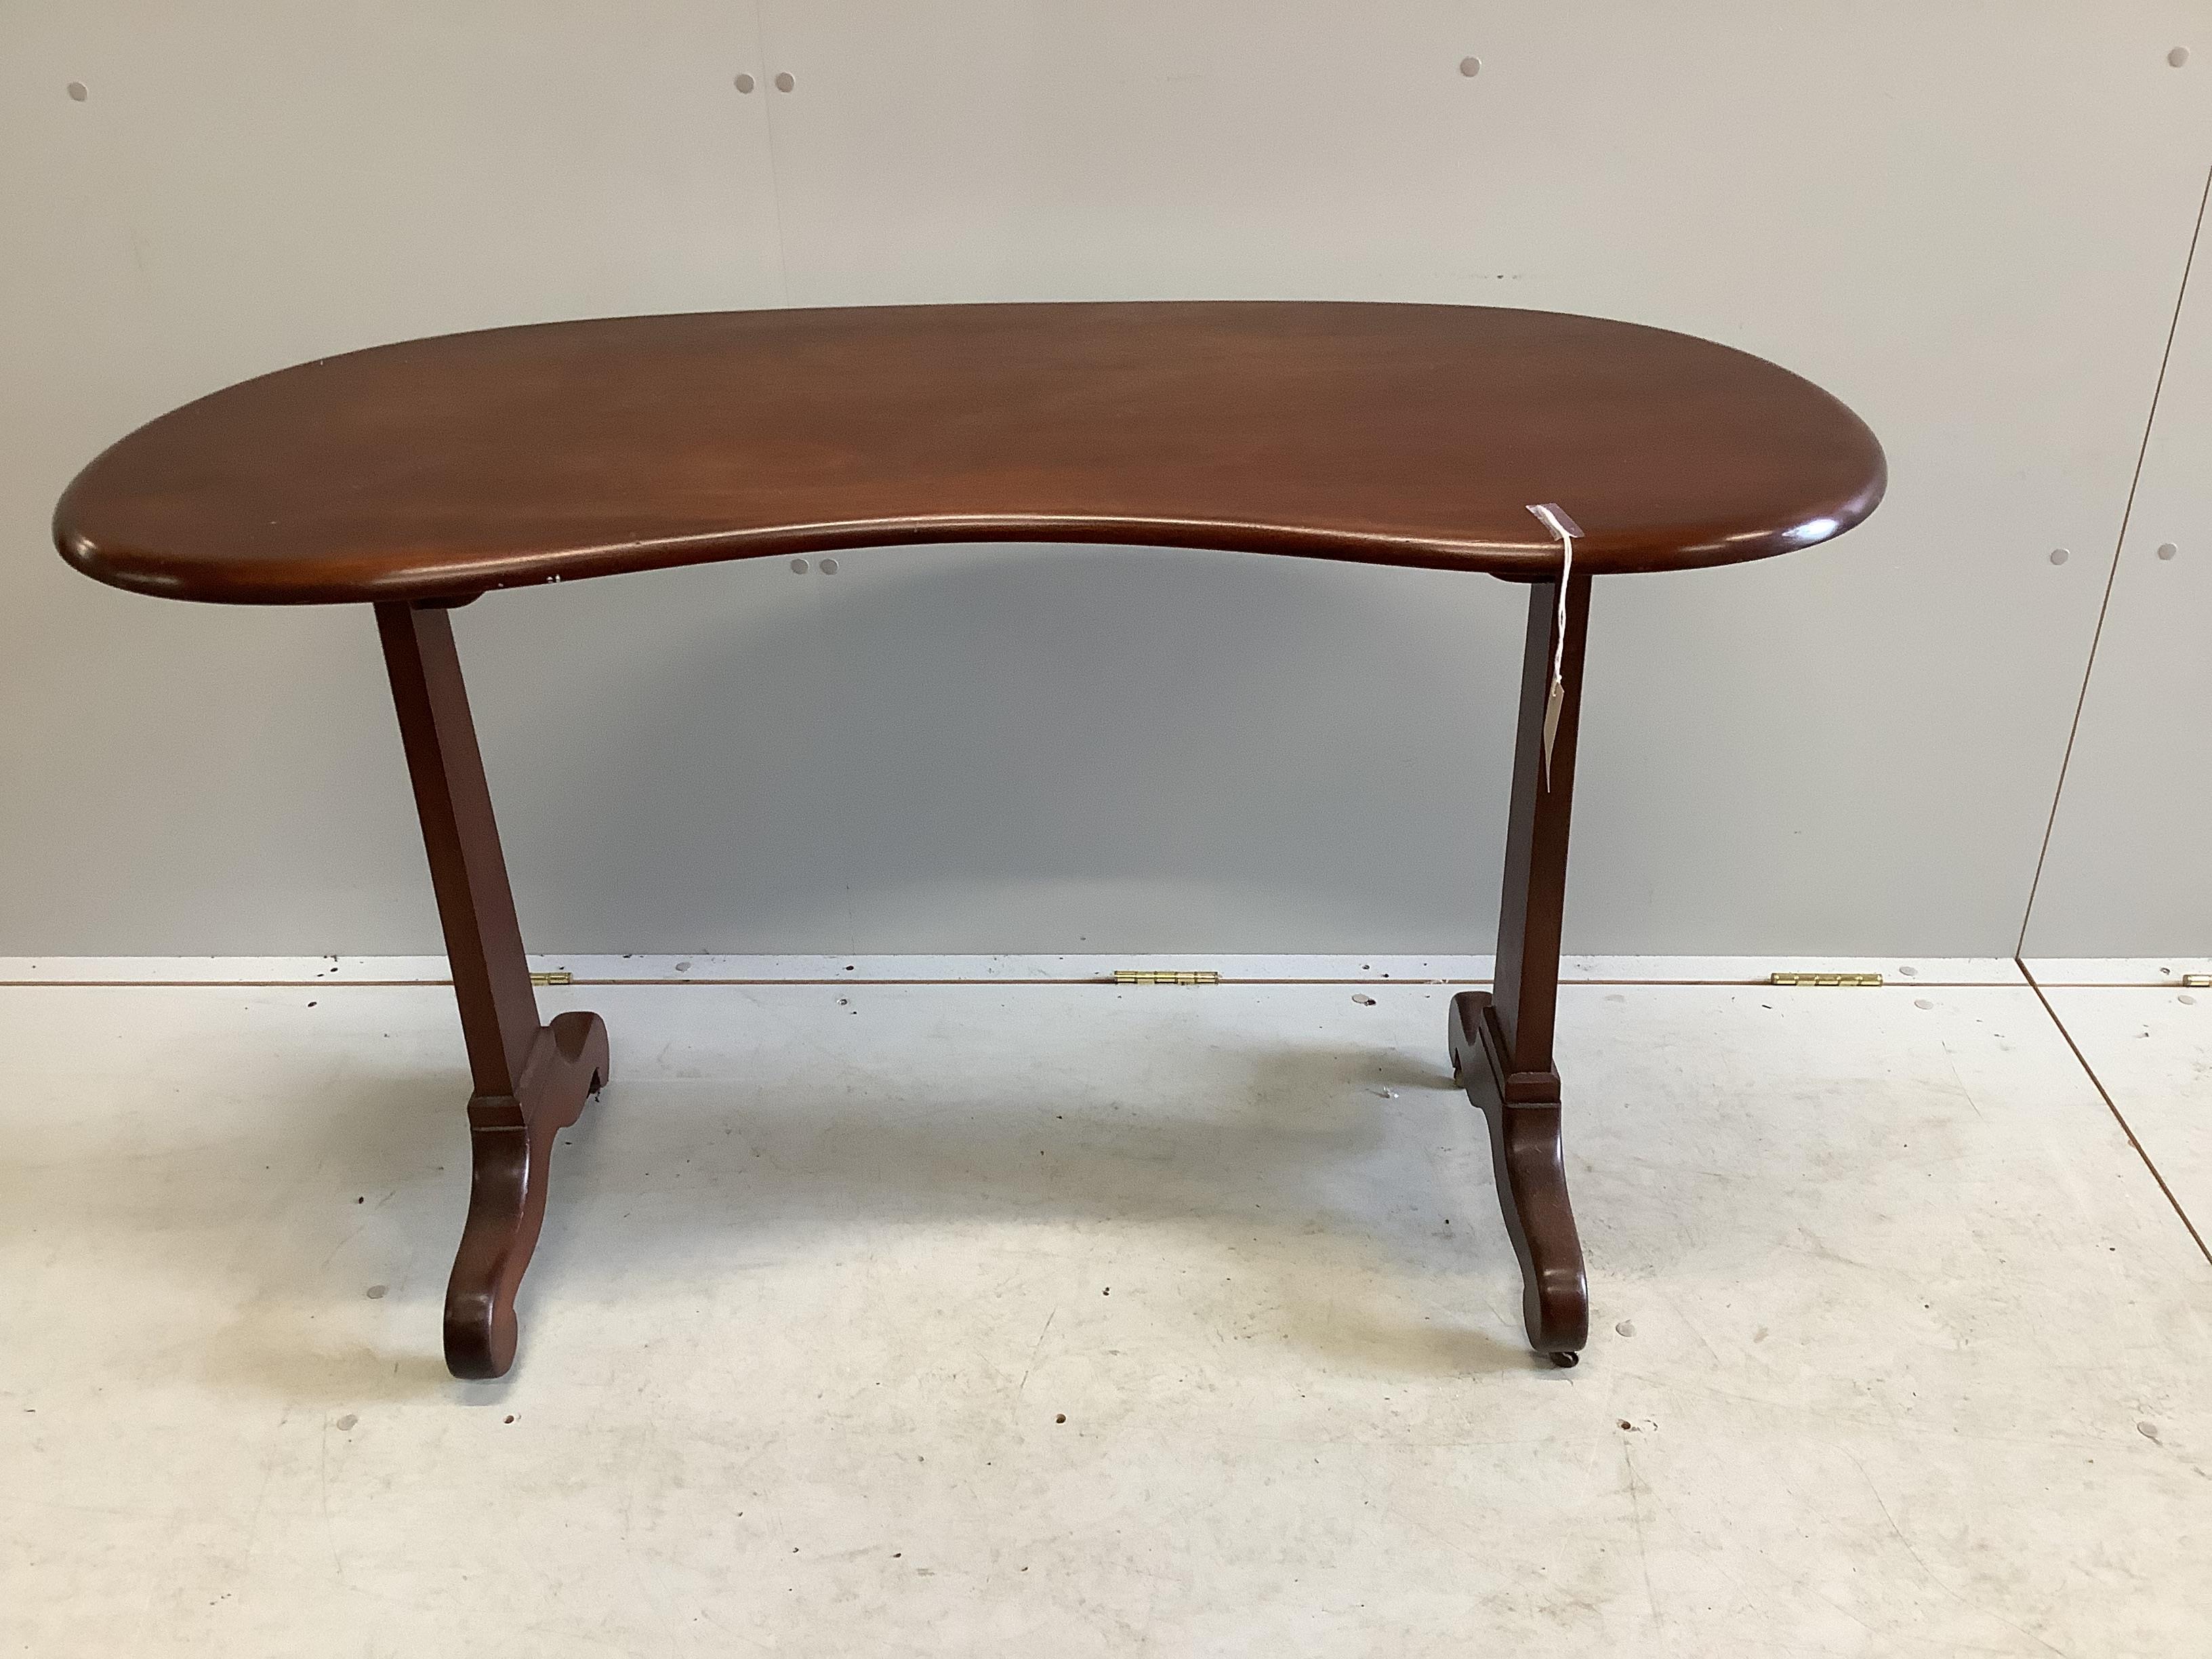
[1384, 433]
[532, 1079]
[1500, 1041]
[418, 477]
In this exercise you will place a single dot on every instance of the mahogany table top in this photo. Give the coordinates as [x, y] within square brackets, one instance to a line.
[1409, 434]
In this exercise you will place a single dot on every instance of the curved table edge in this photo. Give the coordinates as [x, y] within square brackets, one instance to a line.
[418, 574]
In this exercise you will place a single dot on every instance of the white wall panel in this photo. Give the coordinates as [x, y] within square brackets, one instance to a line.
[1969, 222]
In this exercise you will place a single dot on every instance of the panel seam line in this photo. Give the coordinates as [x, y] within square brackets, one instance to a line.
[2118, 1116]
[2112, 574]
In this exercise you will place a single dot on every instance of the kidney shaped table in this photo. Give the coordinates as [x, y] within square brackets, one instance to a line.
[417, 477]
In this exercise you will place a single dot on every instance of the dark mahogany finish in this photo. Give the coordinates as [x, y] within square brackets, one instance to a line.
[417, 477]
[1501, 1043]
[1384, 433]
[532, 1081]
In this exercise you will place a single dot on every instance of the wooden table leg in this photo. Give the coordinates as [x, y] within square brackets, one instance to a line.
[1501, 1042]
[531, 1079]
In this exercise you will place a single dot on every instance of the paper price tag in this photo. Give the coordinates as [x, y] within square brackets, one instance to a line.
[1554, 518]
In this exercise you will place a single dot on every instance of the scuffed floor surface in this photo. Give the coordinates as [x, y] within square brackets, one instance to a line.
[1046, 1318]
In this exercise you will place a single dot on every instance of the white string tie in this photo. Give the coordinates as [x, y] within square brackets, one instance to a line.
[1555, 518]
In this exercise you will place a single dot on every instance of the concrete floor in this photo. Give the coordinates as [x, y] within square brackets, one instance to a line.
[1009, 1317]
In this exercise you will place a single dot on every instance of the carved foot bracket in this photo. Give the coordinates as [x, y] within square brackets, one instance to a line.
[511, 1141]
[1524, 1111]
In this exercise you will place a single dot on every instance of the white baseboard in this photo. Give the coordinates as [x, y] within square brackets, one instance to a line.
[708, 970]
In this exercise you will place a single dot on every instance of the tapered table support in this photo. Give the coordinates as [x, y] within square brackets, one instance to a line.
[1501, 1041]
[531, 1079]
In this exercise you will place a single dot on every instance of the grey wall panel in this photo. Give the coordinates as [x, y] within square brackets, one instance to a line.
[1092, 749]
[243, 186]
[1974, 234]
[1970, 224]
[2128, 873]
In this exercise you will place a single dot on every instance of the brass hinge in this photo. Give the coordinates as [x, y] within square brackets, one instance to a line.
[557, 976]
[1149, 976]
[1824, 979]
[2200, 981]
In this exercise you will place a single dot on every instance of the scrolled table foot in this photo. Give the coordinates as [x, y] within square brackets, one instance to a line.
[511, 1143]
[1526, 1159]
